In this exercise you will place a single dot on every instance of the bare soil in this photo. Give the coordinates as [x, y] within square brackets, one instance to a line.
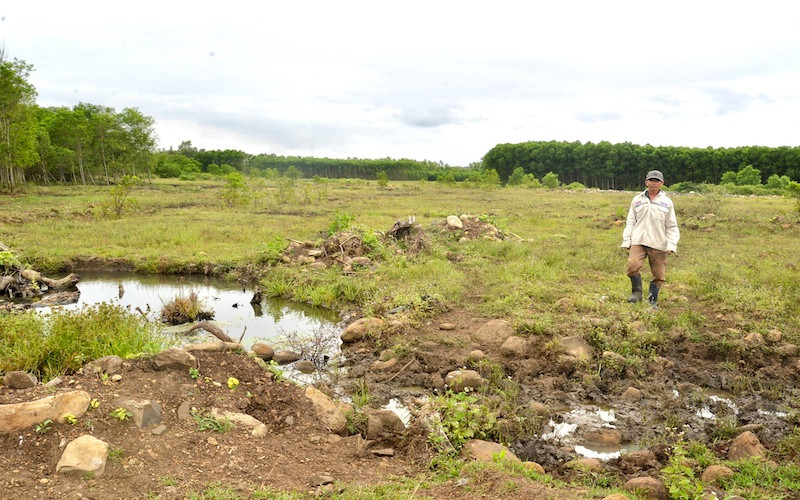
[298, 448]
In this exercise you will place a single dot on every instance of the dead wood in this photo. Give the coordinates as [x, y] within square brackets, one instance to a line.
[210, 328]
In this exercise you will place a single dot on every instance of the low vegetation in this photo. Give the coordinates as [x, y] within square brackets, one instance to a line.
[558, 271]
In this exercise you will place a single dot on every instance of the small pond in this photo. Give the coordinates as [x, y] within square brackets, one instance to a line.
[271, 320]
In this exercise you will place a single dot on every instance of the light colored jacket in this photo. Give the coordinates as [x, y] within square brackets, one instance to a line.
[652, 223]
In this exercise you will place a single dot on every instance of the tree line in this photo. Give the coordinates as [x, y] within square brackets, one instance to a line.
[93, 144]
[84, 144]
[622, 166]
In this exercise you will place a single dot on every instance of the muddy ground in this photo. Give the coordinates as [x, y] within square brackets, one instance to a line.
[682, 392]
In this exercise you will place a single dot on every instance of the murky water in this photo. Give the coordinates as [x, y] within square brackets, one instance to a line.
[270, 321]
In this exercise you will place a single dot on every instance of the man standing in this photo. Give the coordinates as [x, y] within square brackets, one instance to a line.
[651, 231]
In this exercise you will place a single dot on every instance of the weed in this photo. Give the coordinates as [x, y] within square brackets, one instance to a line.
[181, 310]
[63, 341]
[121, 414]
[276, 372]
[233, 383]
[679, 476]
[194, 373]
[463, 417]
[340, 222]
[44, 427]
[205, 422]
[116, 454]
[70, 419]
[168, 481]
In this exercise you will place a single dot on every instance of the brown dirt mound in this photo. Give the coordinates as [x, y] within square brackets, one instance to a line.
[184, 459]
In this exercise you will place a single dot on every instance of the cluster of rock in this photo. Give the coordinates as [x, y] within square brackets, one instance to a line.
[470, 227]
[344, 249]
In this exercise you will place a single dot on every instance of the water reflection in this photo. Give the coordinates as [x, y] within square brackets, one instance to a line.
[267, 320]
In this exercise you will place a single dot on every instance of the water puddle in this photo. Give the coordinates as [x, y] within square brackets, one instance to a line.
[582, 419]
[270, 321]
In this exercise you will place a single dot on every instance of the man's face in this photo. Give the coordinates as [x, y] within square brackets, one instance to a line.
[653, 184]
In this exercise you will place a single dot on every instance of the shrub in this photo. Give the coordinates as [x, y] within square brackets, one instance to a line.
[184, 309]
[550, 180]
[63, 341]
[517, 177]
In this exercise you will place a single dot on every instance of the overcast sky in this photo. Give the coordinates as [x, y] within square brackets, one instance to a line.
[436, 80]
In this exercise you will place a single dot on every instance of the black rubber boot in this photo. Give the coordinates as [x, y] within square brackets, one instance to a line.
[636, 288]
[653, 297]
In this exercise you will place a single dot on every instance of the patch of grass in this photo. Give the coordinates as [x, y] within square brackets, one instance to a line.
[184, 309]
[205, 422]
[64, 340]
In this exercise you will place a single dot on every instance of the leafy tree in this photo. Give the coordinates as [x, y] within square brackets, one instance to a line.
[530, 181]
[120, 195]
[517, 177]
[550, 180]
[383, 179]
[776, 181]
[748, 176]
[728, 177]
[18, 127]
[293, 173]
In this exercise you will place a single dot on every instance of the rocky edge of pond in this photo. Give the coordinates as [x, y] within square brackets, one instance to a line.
[385, 434]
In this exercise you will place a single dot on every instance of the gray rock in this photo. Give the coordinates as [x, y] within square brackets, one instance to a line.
[305, 366]
[652, 488]
[18, 416]
[604, 436]
[285, 357]
[486, 451]
[578, 347]
[243, 419]
[746, 445]
[321, 480]
[159, 430]
[184, 411]
[216, 346]
[458, 380]
[331, 414]
[493, 333]
[263, 351]
[382, 366]
[714, 473]
[383, 424]
[514, 347]
[145, 413]
[107, 364]
[476, 355]
[83, 455]
[174, 358]
[453, 222]
[631, 394]
[19, 380]
[360, 328]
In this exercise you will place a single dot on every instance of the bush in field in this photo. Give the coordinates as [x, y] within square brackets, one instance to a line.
[63, 341]
[575, 186]
[748, 176]
[728, 177]
[530, 181]
[184, 309]
[517, 177]
[550, 180]
[293, 173]
[776, 181]
[235, 191]
[120, 199]
[383, 179]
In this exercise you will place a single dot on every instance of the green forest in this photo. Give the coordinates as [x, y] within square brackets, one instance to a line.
[95, 144]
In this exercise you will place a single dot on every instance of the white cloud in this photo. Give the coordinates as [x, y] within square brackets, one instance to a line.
[428, 80]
